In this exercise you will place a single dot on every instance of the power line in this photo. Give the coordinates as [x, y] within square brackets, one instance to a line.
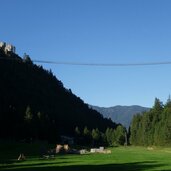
[103, 64]
[95, 64]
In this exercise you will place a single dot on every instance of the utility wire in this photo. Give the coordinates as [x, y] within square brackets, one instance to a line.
[104, 64]
[95, 64]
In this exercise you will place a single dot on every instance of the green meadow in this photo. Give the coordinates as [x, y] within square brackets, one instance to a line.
[121, 158]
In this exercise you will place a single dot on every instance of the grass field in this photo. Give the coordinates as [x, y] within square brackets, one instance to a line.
[121, 158]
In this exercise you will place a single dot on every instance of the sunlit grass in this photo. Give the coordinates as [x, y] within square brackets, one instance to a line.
[121, 158]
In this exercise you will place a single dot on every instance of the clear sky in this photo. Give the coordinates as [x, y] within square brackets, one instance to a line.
[96, 31]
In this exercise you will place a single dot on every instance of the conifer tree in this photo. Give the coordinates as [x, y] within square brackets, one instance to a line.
[77, 131]
[120, 135]
[28, 115]
[95, 136]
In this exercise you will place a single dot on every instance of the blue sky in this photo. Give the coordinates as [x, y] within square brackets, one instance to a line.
[96, 31]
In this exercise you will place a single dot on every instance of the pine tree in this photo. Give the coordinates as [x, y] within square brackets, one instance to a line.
[158, 105]
[87, 136]
[77, 131]
[120, 135]
[29, 129]
[86, 132]
[28, 115]
[135, 129]
[95, 136]
[108, 135]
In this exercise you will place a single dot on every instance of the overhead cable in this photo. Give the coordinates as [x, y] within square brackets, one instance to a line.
[95, 64]
[103, 64]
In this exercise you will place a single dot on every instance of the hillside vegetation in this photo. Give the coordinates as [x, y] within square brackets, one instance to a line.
[35, 104]
[153, 127]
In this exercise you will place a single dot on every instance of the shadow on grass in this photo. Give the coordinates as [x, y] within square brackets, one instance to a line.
[30, 166]
[138, 166]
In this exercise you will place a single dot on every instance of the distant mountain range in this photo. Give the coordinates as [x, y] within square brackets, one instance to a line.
[120, 114]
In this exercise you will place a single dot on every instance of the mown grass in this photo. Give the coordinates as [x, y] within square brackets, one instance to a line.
[121, 158]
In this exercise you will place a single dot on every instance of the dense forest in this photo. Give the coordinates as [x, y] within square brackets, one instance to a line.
[152, 127]
[111, 137]
[35, 104]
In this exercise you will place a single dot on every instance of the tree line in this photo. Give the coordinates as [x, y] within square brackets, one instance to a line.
[94, 137]
[152, 127]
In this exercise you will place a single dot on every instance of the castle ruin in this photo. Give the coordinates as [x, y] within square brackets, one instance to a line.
[7, 47]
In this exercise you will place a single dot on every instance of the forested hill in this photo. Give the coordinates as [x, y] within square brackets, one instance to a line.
[121, 114]
[152, 127]
[34, 103]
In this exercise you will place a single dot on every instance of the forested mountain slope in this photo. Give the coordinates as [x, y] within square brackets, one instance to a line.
[34, 103]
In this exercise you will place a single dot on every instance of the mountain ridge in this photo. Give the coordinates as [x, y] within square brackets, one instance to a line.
[120, 114]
